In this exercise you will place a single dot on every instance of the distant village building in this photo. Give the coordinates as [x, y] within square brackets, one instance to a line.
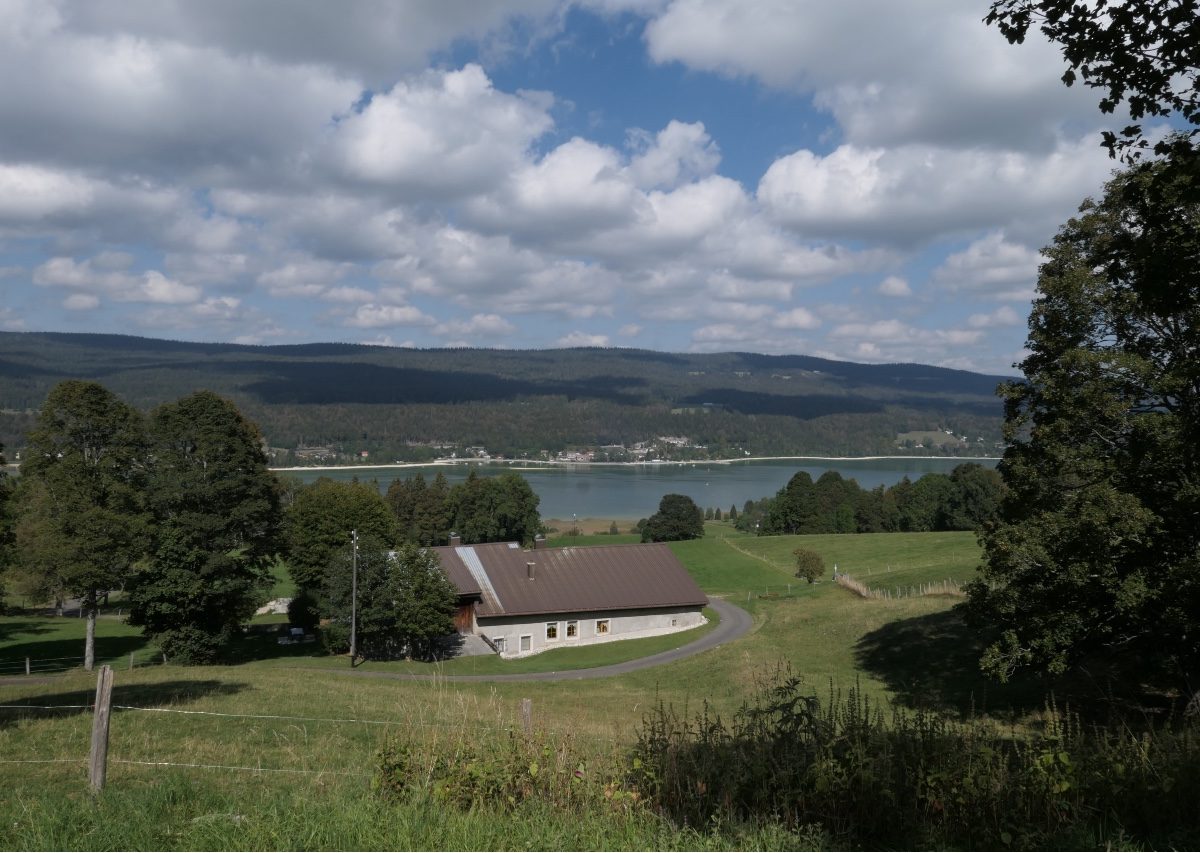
[528, 601]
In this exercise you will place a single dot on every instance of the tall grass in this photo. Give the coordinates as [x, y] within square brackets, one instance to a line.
[886, 778]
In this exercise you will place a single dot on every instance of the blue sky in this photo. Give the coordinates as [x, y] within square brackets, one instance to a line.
[869, 181]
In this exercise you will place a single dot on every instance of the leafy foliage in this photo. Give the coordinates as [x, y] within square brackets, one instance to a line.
[82, 521]
[1141, 53]
[677, 518]
[964, 500]
[405, 602]
[1098, 548]
[494, 509]
[215, 508]
[319, 522]
[480, 509]
[809, 564]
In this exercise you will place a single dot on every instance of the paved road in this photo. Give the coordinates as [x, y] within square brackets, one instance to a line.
[735, 622]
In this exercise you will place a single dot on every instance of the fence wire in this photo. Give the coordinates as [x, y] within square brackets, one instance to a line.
[236, 767]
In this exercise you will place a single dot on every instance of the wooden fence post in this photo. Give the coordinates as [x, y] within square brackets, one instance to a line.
[527, 716]
[27, 666]
[98, 758]
[131, 660]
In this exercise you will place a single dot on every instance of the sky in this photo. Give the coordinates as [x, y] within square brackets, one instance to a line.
[864, 180]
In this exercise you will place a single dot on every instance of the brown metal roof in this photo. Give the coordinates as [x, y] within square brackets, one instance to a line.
[569, 580]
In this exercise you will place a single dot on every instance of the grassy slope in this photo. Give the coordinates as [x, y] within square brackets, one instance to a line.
[820, 631]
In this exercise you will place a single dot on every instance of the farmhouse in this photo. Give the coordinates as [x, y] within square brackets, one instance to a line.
[527, 601]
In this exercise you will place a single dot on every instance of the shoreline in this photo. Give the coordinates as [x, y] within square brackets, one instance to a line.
[564, 464]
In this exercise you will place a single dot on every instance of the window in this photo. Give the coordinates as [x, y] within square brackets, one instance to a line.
[601, 626]
[551, 630]
[674, 623]
[572, 630]
[498, 642]
[526, 642]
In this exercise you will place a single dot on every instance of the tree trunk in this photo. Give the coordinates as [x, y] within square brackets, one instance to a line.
[89, 644]
[58, 606]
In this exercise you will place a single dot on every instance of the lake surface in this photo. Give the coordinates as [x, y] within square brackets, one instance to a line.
[633, 491]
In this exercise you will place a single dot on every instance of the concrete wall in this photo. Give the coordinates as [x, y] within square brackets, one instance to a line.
[622, 625]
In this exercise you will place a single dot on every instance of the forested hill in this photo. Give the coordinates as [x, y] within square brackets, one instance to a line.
[396, 403]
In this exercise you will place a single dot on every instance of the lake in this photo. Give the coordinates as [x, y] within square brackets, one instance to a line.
[633, 491]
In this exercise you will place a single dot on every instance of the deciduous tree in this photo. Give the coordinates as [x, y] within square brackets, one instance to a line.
[405, 602]
[1140, 53]
[215, 510]
[809, 564]
[677, 518]
[318, 525]
[494, 509]
[1098, 546]
[84, 524]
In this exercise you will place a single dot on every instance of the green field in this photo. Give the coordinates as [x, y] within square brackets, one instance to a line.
[911, 649]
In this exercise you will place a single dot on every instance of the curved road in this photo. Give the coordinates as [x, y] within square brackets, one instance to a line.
[734, 623]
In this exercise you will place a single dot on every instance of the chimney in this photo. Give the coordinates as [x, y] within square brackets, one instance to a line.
[539, 542]
[529, 568]
[455, 540]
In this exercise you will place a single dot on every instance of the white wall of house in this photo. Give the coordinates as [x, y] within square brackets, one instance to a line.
[520, 636]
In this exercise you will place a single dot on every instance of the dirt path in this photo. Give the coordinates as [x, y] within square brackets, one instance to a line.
[735, 622]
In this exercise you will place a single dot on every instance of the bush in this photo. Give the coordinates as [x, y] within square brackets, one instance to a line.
[335, 636]
[809, 564]
[189, 645]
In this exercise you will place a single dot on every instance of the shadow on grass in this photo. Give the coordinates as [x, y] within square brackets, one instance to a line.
[41, 706]
[9, 627]
[932, 662]
[63, 651]
[261, 642]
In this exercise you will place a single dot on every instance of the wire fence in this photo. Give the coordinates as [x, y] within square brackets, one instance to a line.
[464, 727]
[52, 666]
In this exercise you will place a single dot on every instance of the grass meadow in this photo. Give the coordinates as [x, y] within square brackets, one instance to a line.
[278, 750]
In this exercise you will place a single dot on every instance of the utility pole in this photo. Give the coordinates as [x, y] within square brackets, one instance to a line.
[353, 596]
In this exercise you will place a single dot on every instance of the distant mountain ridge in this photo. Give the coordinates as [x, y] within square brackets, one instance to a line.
[336, 393]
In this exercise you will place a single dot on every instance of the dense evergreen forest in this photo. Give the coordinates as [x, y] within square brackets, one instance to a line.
[412, 404]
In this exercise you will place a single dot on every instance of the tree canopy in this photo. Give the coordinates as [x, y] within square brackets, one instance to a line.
[1098, 546]
[1141, 53]
[83, 524]
[677, 518]
[215, 510]
[963, 500]
[405, 602]
[319, 522]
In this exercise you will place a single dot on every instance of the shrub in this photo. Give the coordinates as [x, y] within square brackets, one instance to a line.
[189, 645]
[335, 636]
[809, 564]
